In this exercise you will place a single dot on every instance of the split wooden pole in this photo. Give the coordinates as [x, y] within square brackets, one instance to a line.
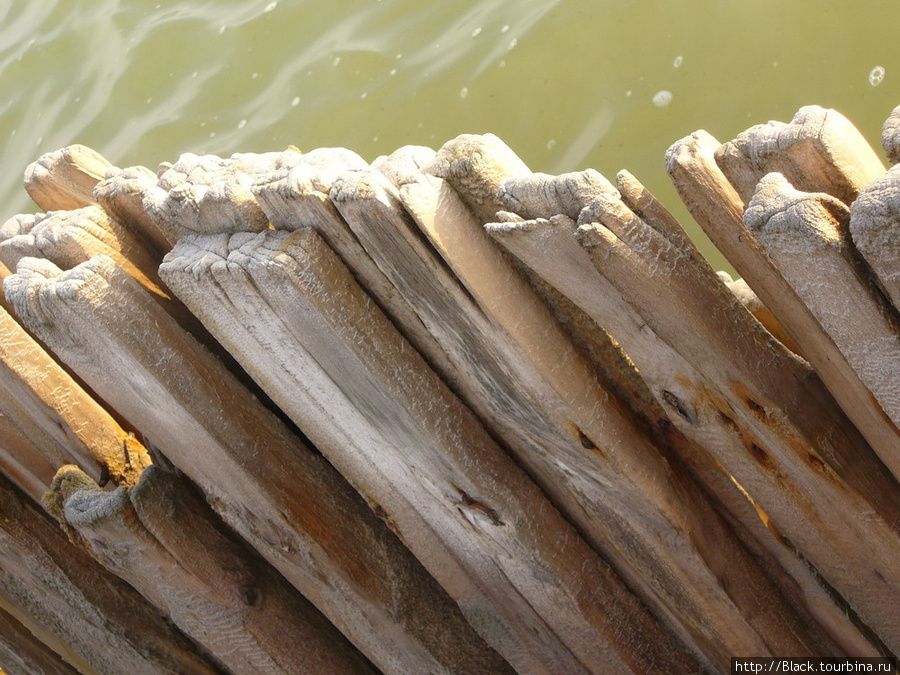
[285, 500]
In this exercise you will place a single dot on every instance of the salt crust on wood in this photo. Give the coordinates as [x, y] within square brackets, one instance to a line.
[875, 229]
[519, 372]
[85, 609]
[819, 150]
[286, 501]
[806, 236]
[719, 210]
[890, 136]
[327, 356]
[165, 541]
[65, 179]
[24, 654]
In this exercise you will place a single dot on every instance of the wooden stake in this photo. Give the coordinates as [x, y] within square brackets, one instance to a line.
[718, 209]
[483, 529]
[65, 179]
[89, 611]
[874, 227]
[818, 151]
[186, 563]
[285, 500]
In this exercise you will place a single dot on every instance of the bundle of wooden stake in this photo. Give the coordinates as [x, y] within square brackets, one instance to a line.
[441, 414]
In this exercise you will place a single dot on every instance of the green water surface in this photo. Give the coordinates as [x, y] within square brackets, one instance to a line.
[568, 84]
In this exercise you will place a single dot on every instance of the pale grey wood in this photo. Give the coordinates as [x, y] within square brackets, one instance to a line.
[166, 542]
[338, 367]
[284, 499]
[819, 150]
[87, 610]
[519, 371]
[121, 194]
[806, 235]
[65, 179]
[875, 230]
[719, 210]
[206, 193]
[45, 405]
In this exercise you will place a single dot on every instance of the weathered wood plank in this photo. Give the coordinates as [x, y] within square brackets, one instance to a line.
[23, 462]
[551, 249]
[166, 542]
[297, 198]
[46, 406]
[65, 179]
[121, 194]
[94, 613]
[320, 346]
[719, 210]
[813, 448]
[284, 499]
[806, 235]
[875, 230]
[516, 368]
[819, 150]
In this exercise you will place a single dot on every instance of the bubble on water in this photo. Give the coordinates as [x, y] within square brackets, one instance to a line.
[149, 100]
[212, 134]
[254, 76]
[221, 29]
[476, 32]
[194, 75]
[463, 92]
[876, 76]
[337, 60]
[242, 124]
[628, 93]
[399, 56]
[662, 98]
[270, 7]
[678, 61]
[12, 133]
[393, 71]
[363, 95]
[774, 64]
[505, 28]
[551, 144]
[295, 101]
[502, 64]
[513, 43]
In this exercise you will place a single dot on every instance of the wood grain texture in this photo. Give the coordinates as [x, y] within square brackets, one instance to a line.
[338, 367]
[719, 210]
[162, 538]
[93, 613]
[819, 150]
[284, 499]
